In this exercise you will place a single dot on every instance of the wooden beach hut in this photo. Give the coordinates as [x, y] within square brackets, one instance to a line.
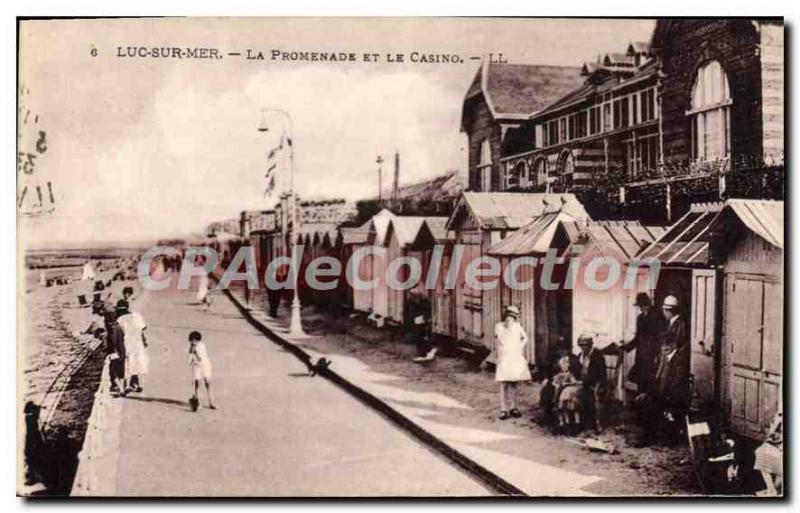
[407, 237]
[370, 234]
[441, 297]
[540, 315]
[480, 220]
[347, 240]
[747, 240]
[682, 254]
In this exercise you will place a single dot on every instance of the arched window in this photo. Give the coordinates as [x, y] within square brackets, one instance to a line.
[567, 170]
[518, 176]
[540, 170]
[710, 112]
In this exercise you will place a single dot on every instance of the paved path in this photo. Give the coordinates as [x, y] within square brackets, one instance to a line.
[275, 433]
[492, 449]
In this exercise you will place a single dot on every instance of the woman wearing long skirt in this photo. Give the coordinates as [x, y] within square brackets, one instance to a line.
[512, 367]
[137, 363]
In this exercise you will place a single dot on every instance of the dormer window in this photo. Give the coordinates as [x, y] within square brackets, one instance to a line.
[710, 113]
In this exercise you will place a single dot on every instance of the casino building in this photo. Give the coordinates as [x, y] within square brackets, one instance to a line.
[695, 114]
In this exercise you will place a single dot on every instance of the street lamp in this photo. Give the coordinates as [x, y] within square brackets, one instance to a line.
[295, 324]
[379, 161]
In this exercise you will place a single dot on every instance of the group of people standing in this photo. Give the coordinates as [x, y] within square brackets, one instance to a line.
[126, 345]
[572, 383]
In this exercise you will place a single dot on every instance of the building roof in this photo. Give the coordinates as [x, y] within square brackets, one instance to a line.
[516, 91]
[685, 242]
[601, 79]
[445, 186]
[511, 210]
[226, 236]
[618, 59]
[638, 47]
[762, 217]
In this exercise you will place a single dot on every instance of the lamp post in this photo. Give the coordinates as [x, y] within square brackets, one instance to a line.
[295, 324]
[379, 161]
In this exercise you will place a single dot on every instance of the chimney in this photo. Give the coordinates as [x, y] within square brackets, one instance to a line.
[396, 184]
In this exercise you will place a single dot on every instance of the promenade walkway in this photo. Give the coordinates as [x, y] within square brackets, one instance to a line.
[277, 432]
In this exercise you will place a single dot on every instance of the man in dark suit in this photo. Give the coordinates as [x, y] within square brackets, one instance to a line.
[116, 349]
[650, 325]
[592, 374]
[666, 399]
[677, 332]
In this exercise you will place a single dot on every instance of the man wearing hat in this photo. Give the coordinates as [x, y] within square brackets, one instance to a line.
[667, 396]
[676, 329]
[592, 376]
[116, 348]
[650, 325]
[512, 366]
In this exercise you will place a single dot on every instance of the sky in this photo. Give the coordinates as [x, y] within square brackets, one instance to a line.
[145, 148]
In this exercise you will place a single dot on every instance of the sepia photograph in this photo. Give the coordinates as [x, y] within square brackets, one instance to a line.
[408, 257]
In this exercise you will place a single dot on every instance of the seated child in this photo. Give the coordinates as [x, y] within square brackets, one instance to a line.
[567, 390]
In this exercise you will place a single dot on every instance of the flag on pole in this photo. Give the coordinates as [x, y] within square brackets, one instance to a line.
[274, 157]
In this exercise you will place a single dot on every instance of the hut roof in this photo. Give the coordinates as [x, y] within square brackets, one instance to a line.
[763, 217]
[619, 239]
[438, 227]
[534, 237]
[379, 224]
[686, 241]
[411, 229]
[511, 210]
[405, 228]
[354, 235]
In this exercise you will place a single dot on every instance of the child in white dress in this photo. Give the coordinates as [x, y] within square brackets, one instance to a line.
[512, 367]
[201, 366]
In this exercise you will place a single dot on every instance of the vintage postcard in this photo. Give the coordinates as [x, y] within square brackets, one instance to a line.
[400, 257]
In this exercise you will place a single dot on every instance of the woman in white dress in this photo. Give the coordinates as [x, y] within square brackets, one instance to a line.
[137, 363]
[512, 367]
[202, 291]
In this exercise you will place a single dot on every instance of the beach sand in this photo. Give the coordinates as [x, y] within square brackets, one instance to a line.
[60, 370]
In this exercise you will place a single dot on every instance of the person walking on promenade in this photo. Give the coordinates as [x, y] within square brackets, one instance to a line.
[203, 296]
[137, 363]
[116, 351]
[650, 325]
[512, 367]
[201, 366]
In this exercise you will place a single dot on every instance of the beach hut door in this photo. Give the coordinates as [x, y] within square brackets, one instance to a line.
[754, 338]
[703, 336]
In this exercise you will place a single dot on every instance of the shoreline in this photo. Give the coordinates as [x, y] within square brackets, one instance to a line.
[61, 369]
